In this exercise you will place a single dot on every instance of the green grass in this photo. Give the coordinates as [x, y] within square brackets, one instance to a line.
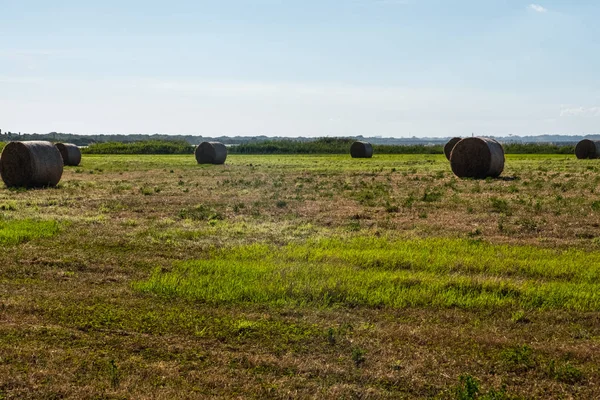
[303, 276]
[378, 272]
[13, 232]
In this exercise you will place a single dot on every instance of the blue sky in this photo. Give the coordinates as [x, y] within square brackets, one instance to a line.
[311, 68]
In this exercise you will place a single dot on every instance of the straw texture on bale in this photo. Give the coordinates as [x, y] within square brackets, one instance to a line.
[211, 153]
[31, 164]
[450, 145]
[361, 150]
[588, 149]
[478, 158]
[70, 153]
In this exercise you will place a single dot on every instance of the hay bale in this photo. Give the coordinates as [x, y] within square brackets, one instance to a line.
[70, 153]
[588, 149]
[31, 164]
[211, 153]
[450, 145]
[361, 150]
[478, 158]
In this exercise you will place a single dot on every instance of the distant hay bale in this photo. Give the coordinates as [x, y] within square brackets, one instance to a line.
[31, 164]
[478, 158]
[588, 149]
[70, 153]
[361, 150]
[450, 145]
[211, 153]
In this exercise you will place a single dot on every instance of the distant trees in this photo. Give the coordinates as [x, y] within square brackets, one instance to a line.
[164, 144]
[326, 146]
[538, 148]
[143, 147]
[319, 146]
[86, 140]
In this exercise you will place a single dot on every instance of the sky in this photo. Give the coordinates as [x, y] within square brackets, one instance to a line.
[392, 68]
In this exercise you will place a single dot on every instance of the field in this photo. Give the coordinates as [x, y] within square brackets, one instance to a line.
[275, 276]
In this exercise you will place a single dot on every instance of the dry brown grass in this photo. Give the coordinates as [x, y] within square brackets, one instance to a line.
[67, 308]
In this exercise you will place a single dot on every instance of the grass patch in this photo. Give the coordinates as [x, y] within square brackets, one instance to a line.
[564, 372]
[379, 272]
[312, 298]
[469, 388]
[518, 359]
[200, 212]
[14, 232]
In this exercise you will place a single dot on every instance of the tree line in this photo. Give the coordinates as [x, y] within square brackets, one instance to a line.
[318, 146]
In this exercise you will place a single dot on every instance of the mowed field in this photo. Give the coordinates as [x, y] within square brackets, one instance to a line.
[302, 277]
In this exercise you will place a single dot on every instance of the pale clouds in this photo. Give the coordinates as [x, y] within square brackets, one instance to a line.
[26, 52]
[403, 2]
[571, 111]
[381, 2]
[538, 8]
[210, 107]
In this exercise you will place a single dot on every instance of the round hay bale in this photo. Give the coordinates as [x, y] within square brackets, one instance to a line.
[361, 150]
[211, 153]
[450, 145]
[31, 164]
[588, 149]
[70, 153]
[478, 158]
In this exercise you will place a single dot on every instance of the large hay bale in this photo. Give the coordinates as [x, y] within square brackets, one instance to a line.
[31, 164]
[588, 149]
[211, 153]
[450, 145]
[478, 158]
[361, 150]
[70, 153]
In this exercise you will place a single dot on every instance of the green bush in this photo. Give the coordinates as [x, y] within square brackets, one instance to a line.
[291, 146]
[142, 147]
[342, 146]
[538, 148]
[326, 146]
